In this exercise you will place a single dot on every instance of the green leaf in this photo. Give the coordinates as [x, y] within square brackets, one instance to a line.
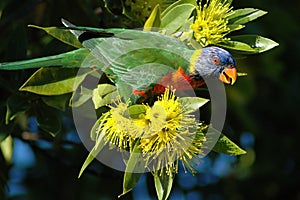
[238, 46]
[2, 3]
[192, 103]
[249, 44]
[235, 27]
[177, 3]
[135, 111]
[225, 145]
[5, 129]
[15, 105]
[94, 130]
[154, 19]
[3, 132]
[245, 15]
[163, 184]
[6, 146]
[100, 143]
[63, 35]
[104, 94]
[176, 17]
[53, 81]
[229, 1]
[80, 97]
[57, 101]
[135, 164]
[49, 119]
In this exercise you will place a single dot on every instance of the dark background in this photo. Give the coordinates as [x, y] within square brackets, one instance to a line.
[262, 116]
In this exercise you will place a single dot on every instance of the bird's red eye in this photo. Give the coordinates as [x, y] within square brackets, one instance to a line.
[215, 60]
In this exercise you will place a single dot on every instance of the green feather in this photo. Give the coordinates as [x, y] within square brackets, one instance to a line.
[70, 59]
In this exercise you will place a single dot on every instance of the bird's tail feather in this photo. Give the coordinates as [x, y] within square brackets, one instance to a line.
[71, 59]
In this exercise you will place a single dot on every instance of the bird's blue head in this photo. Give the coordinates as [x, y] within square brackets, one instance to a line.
[214, 62]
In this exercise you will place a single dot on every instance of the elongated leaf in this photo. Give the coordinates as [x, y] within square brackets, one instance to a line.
[225, 145]
[100, 143]
[2, 3]
[134, 169]
[94, 130]
[53, 81]
[163, 184]
[250, 44]
[104, 94]
[80, 97]
[15, 105]
[154, 19]
[192, 103]
[176, 17]
[176, 3]
[49, 119]
[5, 129]
[57, 101]
[6, 146]
[238, 46]
[235, 27]
[245, 15]
[63, 35]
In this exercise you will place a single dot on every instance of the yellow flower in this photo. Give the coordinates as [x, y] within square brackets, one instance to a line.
[119, 129]
[170, 134]
[210, 26]
[167, 132]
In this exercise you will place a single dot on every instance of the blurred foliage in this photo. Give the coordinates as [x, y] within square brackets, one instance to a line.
[265, 104]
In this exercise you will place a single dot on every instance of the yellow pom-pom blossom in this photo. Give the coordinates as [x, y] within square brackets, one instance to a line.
[210, 26]
[170, 135]
[167, 132]
[119, 129]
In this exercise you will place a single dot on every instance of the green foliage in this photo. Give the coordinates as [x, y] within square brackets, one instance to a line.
[176, 17]
[177, 3]
[135, 166]
[63, 35]
[50, 88]
[154, 19]
[245, 15]
[104, 94]
[48, 119]
[100, 142]
[53, 81]
[6, 147]
[169, 20]
[57, 101]
[163, 184]
[135, 111]
[194, 102]
[15, 105]
[225, 145]
[250, 44]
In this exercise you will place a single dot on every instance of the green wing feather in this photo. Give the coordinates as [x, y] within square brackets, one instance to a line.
[135, 57]
[72, 59]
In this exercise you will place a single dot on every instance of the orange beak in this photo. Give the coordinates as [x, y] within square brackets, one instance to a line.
[228, 76]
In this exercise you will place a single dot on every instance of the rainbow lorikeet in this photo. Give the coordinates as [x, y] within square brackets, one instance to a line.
[140, 59]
